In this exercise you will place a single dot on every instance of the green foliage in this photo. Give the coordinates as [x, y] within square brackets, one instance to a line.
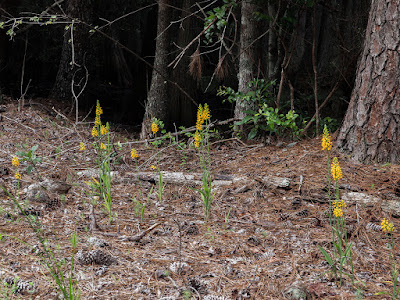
[140, 206]
[182, 148]
[160, 185]
[395, 291]
[210, 234]
[56, 267]
[7, 291]
[201, 142]
[160, 126]
[259, 92]
[30, 157]
[187, 294]
[266, 118]
[103, 146]
[341, 250]
[104, 149]
[217, 20]
[156, 126]
[331, 123]
[206, 192]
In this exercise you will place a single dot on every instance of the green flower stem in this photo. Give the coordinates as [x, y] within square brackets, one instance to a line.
[329, 194]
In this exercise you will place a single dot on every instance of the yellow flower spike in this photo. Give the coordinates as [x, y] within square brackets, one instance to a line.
[134, 153]
[338, 212]
[206, 113]
[200, 113]
[199, 126]
[197, 138]
[154, 128]
[326, 140]
[384, 223]
[200, 118]
[94, 132]
[102, 146]
[99, 110]
[339, 204]
[15, 161]
[82, 147]
[17, 176]
[335, 170]
[103, 130]
[386, 226]
[153, 167]
[97, 121]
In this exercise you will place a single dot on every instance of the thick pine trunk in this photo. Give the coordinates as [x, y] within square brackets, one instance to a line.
[157, 99]
[371, 128]
[81, 10]
[247, 57]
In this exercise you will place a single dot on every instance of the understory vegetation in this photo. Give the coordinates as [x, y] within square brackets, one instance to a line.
[190, 213]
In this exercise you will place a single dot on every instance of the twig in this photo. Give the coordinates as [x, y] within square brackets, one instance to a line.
[68, 20]
[320, 107]
[57, 3]
[301, 183]
[186, 130]
[21, 101]
[73, 63]
[19, 123]
[124, 16]
[182, 53]
[230, 139]
[180, 242]
[139, 236]
[76, 97]
[93, 224]
[142, 60]
[291, 95]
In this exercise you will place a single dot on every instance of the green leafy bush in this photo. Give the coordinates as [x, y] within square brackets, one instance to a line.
[266, 118]
[30, 157]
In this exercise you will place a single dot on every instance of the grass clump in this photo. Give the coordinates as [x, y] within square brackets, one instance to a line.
[62, 275]
[201, 143]
[388, 229]
[103, 147]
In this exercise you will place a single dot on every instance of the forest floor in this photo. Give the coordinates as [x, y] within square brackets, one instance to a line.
[261, 242]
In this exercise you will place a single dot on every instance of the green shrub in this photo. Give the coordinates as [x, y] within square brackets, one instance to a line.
[265, 118]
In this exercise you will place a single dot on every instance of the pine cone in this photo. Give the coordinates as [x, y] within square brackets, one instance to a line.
[19, 286]
[97, 257]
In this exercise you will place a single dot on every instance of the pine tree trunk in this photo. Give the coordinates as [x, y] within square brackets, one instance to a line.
[181, 108]
[79, 42]
[157, 99]
[371, 128]
[247, 57]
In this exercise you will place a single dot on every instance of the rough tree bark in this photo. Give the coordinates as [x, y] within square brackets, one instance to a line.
[247, 57]
[181, 108]
[81, 10]
[157, 99]
[371, 128]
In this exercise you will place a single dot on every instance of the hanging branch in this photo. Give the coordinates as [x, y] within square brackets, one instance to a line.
[68, 20]
[182, 53]
[76, 96]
